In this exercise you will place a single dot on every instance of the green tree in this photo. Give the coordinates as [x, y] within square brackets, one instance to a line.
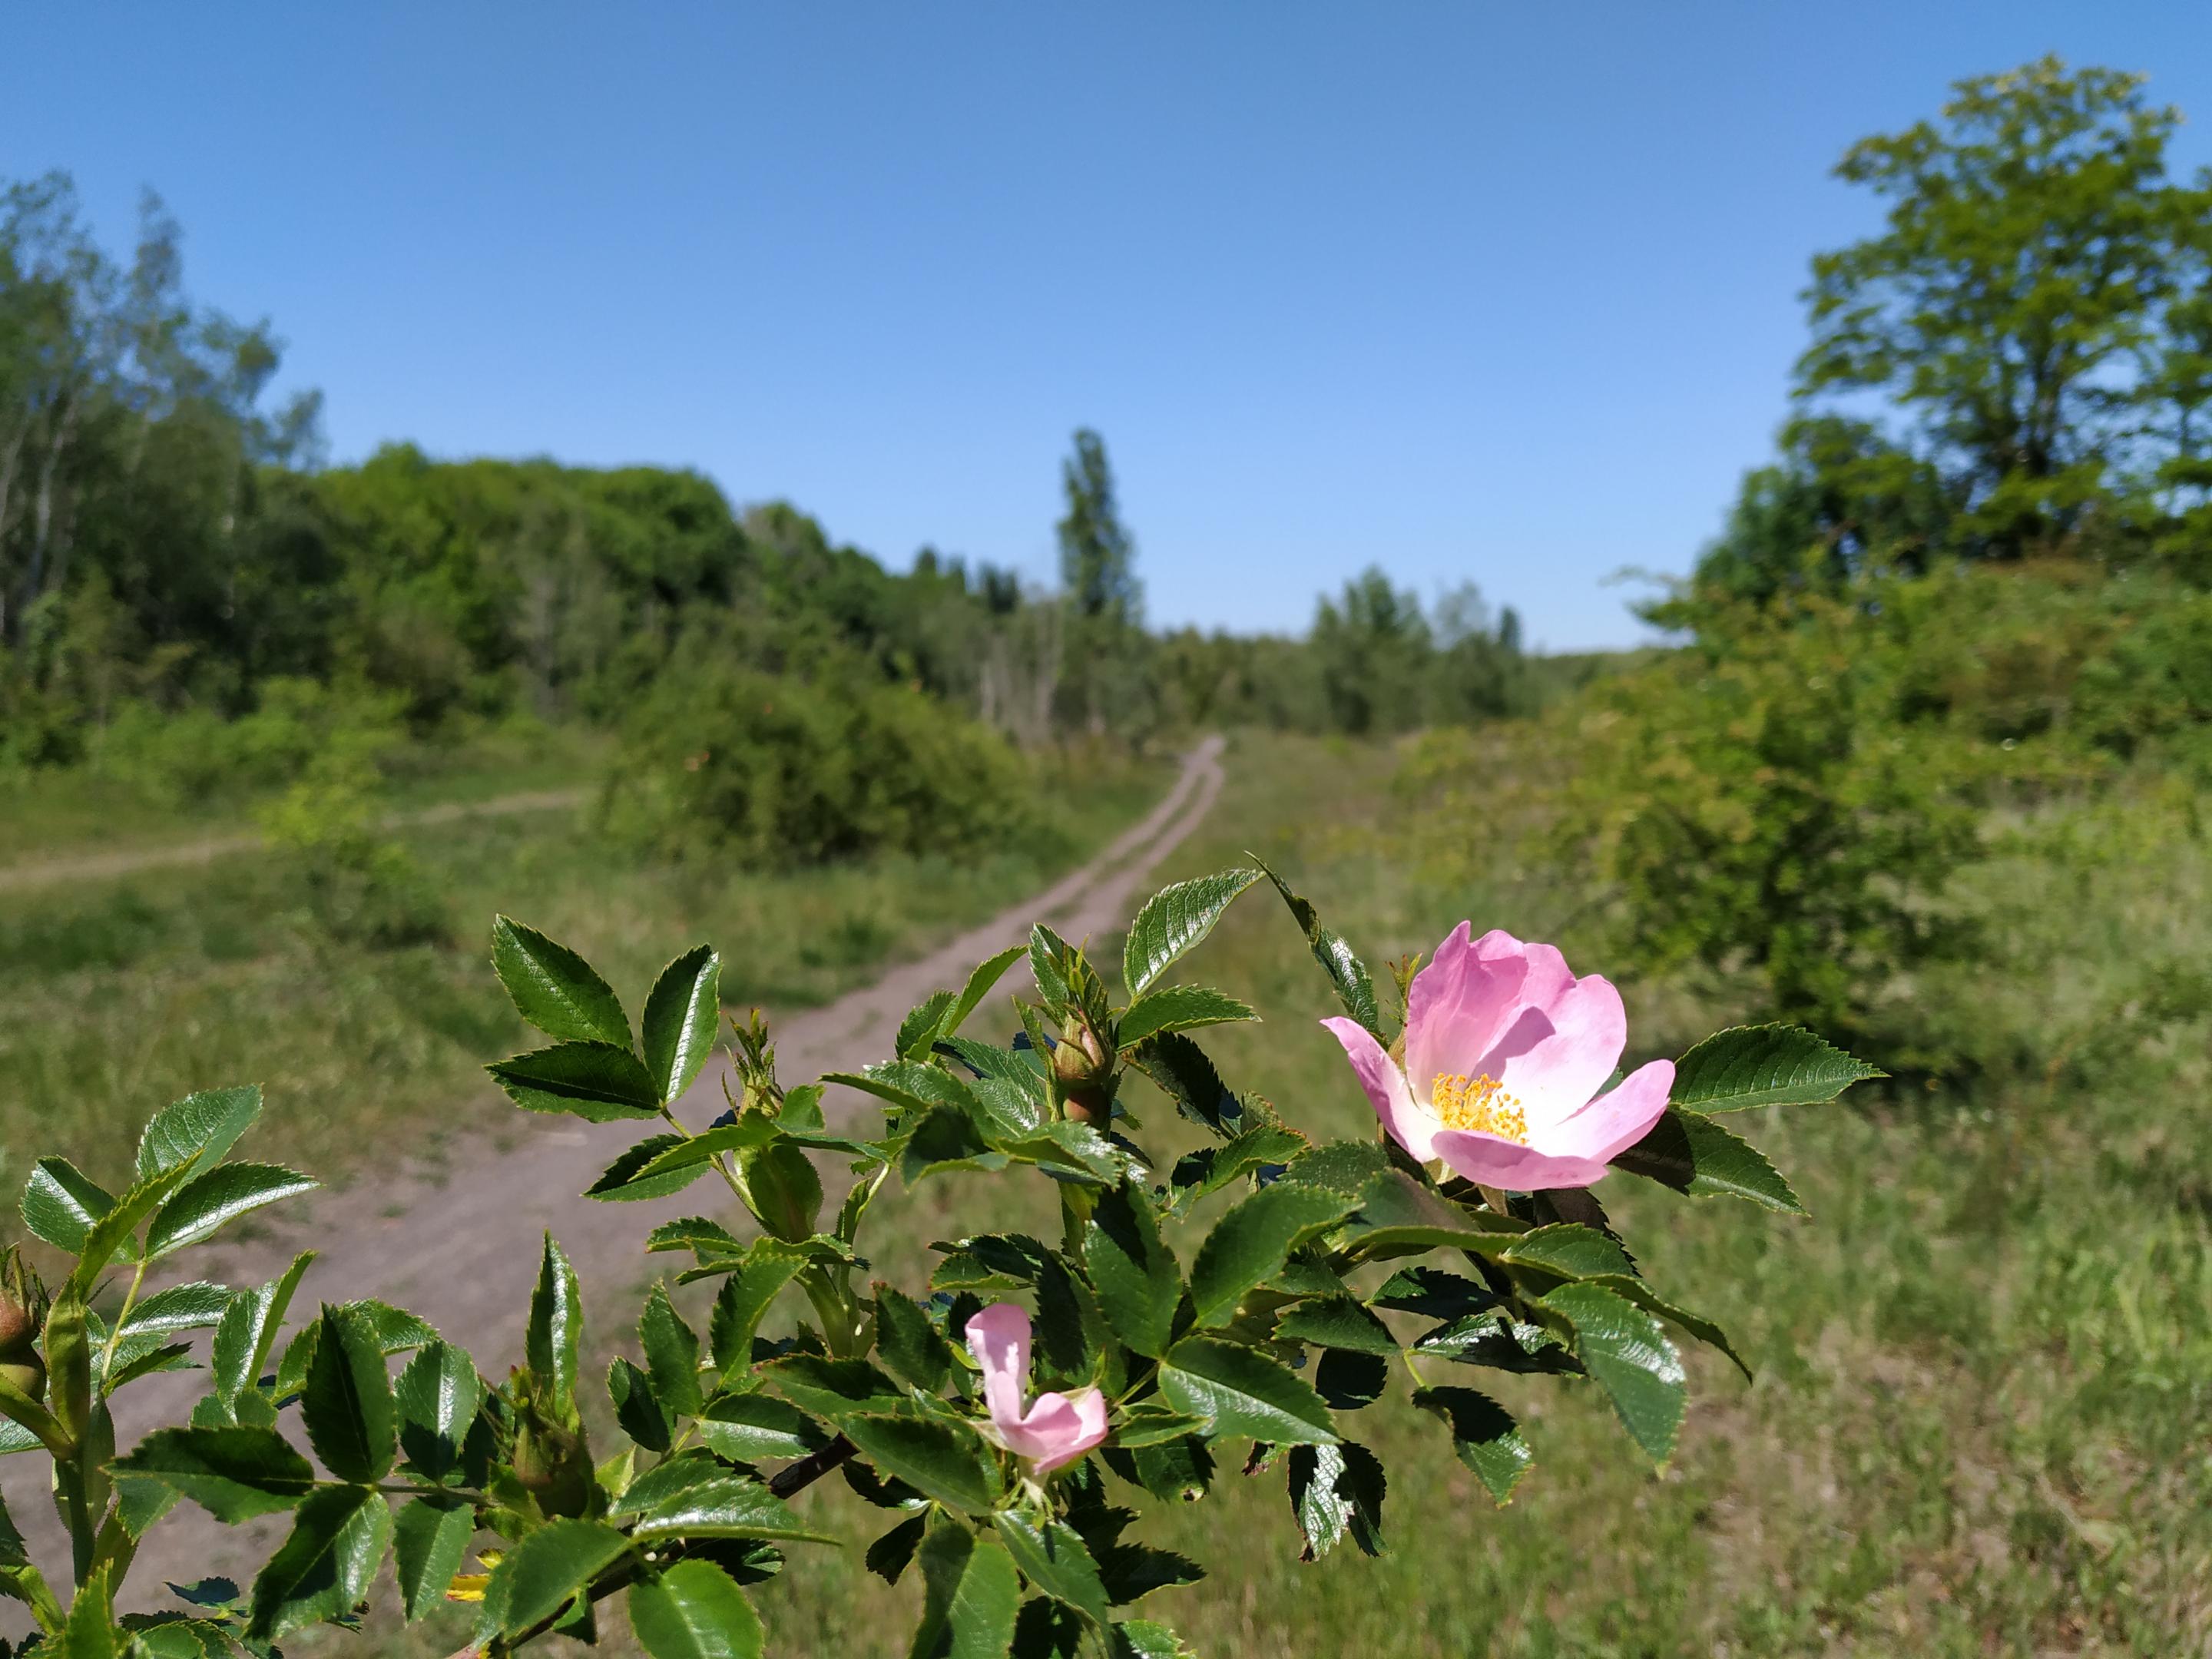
[1373, 648]
[1099, 577]
[2014, 292]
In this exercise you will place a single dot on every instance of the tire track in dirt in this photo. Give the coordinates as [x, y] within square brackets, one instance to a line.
[456, 1241]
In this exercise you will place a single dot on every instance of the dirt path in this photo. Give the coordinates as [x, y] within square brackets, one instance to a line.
[128, 861]
[464, 1254]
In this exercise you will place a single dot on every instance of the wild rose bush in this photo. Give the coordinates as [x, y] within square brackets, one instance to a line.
[1011, 1412]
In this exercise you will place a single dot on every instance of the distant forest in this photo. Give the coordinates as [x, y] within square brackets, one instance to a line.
[172, 544]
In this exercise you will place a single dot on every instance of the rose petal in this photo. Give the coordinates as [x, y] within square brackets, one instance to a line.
[1061, 1428]
[1553, 1071]
[999, 1340]
[1410, 1124]
[1495, 1162]
[1457, 1006]
[1615, 1121]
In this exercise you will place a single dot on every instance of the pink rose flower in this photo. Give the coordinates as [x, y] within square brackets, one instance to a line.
[1057, 1428]
[1506, 1050]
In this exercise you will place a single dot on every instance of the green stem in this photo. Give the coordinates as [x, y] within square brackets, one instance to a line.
[122, 1317]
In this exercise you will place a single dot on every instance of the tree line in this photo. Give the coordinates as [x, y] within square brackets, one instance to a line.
[172, 542]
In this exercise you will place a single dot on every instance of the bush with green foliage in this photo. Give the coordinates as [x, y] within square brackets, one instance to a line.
[1324, 1265]
[774, 772]
[362, 888]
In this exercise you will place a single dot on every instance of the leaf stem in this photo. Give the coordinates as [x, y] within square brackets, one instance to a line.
[122, 1317]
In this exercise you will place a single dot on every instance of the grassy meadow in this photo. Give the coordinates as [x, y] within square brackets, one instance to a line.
[1983, 1360]
[119, 993]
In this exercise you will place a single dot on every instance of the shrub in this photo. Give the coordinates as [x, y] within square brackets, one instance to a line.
[1007, 1472]
[362, 889]
[779, 772]
[191, 756]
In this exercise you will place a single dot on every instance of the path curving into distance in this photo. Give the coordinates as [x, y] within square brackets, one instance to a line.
[463, 1253]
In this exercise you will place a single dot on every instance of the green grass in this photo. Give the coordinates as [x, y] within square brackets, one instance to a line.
[1984, 1361]
[64, 813]
[118, 995]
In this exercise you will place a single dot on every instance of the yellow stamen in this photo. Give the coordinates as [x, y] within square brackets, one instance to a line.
[1481, 1105]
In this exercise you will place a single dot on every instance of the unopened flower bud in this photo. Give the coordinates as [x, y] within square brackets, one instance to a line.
[1085, 1072]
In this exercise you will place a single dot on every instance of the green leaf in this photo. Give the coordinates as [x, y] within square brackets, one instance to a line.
[1623, 1347]
[783, 1189]
[1200, 1173]
[1750, 1066]
[1348, 976]
[111, 1234]
[988, 974]
[1131, 1571]
[1175, 921]
[1336, 1321]
[1153, 1424]
[951, 1465]
[639, 1411]
[1055, 1559]
[324, 1569]
[192, 1307]
[1483, 1436]
[680, 1019]
[892, 1552]
[554, 988]
[545, 1571]
[1335, 1489]
[1240, 1391]
[753, 1428]
[639, 1172]
[598, 1082]
[910, 1086]
[1636, 1290]
[90, 1633]
[1177, 1008]
[908, 1343]
[438, 1396]
[693, 1610]
[233, 1474]
[61, 1205]
[833, 1389]
[247, 1331]
[1142, 1638]
[430, 1537]
[696, 1497]
[347, 1400]
[1398, 1214]
[971, 1597]
[208, 1123]
[1179, 1067]
[553, 1345]
[1432, 1291]
[210, 1202]
[918, 1031]
[752, 1284]
[695, 1233]
[672, 1353]
[1136, 1276]
[1248, 1245]
[1345, 1166]
[1567, 1249]
[1697, 1157]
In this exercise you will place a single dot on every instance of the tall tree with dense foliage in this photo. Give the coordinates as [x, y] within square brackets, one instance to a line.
[1098, 578]
[2018, 286]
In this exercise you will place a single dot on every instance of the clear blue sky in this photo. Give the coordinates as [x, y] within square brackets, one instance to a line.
[1478, 291]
